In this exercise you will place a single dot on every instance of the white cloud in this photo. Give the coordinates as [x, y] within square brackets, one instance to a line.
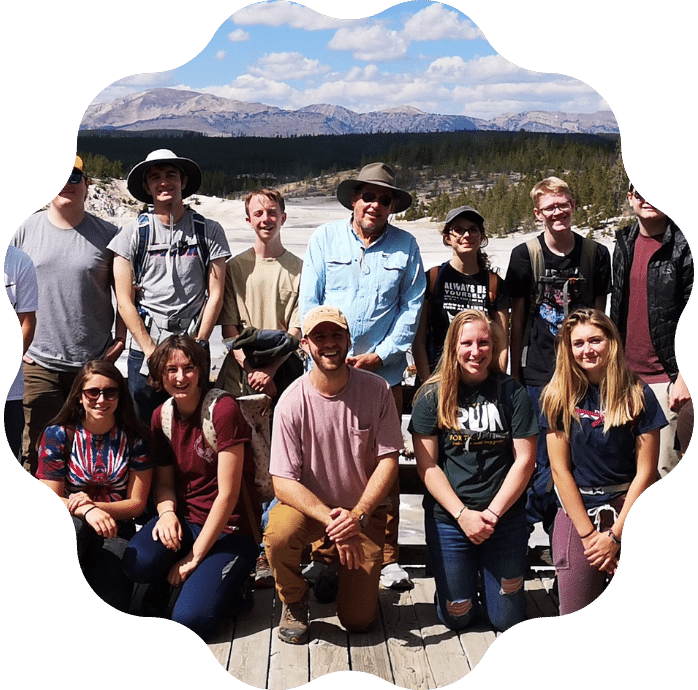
[370, 43]
[254, 90]
[220, 55]
[281, 13]
[280, 66]
[238, 36]
[436, 23]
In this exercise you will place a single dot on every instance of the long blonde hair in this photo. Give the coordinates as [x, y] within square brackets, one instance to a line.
[447, 373]
[621, 391]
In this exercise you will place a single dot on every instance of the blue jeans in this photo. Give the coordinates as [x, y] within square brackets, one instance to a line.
[456, 562]
[207, 594]
[541, 504]
[145, 397]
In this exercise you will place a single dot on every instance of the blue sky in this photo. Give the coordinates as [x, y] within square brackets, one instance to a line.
[424, 54]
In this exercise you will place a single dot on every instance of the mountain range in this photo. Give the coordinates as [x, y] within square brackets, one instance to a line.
[179, 109]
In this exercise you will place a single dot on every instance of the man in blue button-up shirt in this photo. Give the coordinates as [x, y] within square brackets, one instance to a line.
[372, 271]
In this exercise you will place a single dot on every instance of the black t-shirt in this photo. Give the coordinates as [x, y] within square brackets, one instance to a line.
[478, 455]
[454, 292]
[539, 351]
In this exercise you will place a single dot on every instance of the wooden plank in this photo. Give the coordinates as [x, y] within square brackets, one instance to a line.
[250, 649]
[329, 646]
[442, 646]
[368, 652]
[288, 663]
[220, 643]
[404, 641]
[475, 643]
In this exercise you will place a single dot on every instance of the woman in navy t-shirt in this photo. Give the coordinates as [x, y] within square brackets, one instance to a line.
[603, 441]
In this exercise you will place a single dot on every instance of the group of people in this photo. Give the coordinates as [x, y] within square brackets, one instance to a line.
[569, 439]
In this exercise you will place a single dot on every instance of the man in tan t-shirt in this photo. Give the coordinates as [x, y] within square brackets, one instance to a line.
[261, 291]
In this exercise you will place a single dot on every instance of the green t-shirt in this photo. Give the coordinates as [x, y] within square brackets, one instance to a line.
[477, 456]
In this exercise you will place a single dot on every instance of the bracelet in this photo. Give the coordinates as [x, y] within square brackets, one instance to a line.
[493, 513]
[613, 536]
[169, 510]
[460, 512]
[87, 511]
[593, 529]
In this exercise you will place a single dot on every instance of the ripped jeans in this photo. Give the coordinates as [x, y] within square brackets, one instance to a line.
[456, 562]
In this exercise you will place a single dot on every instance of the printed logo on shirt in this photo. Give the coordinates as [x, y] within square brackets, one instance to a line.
[480, 425]
[552, 308]
[203, 450]
[597, 416]
[458, 296]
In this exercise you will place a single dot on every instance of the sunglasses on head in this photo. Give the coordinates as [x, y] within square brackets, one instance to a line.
[109, 393]
[75, 177]
[370, 197]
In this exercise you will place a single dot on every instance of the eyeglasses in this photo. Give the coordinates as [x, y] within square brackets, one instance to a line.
[637, 195]
[462, 232]
[370, 197]
[75, 177]
[549, 210]
[109, 393]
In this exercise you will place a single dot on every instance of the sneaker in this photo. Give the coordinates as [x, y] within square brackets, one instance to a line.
[293, 627]
[327, 584]
[395, 577]
[312, 571]
[263, 576]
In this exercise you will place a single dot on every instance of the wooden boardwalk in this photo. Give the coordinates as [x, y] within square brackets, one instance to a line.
[407, 646]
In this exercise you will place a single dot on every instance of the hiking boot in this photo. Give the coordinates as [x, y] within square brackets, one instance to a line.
[395, 577]
[263, 575]
[293, 627]
[327, 584]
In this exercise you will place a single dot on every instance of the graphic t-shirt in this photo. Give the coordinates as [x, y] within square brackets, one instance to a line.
[561, 289]
[476, 456]
[99, 464]
[454, 292]
[606, 459]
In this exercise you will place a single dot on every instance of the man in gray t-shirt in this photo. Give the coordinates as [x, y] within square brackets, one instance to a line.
[75, 316]
[175, 258]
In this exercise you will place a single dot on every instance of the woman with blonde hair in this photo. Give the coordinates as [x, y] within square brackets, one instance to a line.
[465, 281]
[603, 427]
[474, 431]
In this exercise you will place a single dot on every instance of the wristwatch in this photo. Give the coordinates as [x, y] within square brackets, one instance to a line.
[363, 518]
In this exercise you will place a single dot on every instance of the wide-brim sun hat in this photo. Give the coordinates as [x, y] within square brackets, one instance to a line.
[378, 174]
[136, 177]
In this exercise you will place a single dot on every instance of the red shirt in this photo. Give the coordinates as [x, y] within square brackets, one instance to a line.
[639, 351]
[196, 463]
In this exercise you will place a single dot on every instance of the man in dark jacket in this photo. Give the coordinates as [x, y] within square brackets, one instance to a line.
[652, 281]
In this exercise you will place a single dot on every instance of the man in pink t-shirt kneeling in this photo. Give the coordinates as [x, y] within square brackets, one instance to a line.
[334, 456]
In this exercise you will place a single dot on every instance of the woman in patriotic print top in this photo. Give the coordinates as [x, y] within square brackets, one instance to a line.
[94, 455]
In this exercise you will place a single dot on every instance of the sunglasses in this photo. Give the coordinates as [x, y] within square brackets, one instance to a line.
[75, 177]
[92, 394]
[462, 232]
[370, 197]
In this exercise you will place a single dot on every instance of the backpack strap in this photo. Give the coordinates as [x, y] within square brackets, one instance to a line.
[432, 275]
[200, 231]
[535, 254]
[144, 222]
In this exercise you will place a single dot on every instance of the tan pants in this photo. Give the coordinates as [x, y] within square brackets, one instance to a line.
[285, 537]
